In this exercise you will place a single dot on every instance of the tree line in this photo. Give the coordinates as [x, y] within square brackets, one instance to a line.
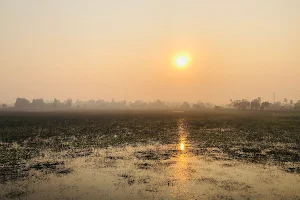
[40, 104]
[243, 104]
[258, 104]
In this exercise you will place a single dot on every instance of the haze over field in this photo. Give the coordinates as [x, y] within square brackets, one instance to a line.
[125, 49]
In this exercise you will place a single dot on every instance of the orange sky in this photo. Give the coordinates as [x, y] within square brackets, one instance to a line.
[123, 49]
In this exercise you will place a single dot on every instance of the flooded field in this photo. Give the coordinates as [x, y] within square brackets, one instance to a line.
[150, 155]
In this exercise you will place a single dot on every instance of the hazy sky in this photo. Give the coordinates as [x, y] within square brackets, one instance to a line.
[123, 49]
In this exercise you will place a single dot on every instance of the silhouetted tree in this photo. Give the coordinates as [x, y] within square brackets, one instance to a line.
[68, 103]
[231, 103]
[241, 104]
[217, 107]
[4, 105]
[138, 104]
[265, 105]
[117, 104]
[157, 104]
[277, 105]
[56, 103]
[285, 101]
[199, 105]
[255, 103]
[37, 104]
[185, 105]
[297, 105]
[22, 103]
[209, 105]
[259, 100]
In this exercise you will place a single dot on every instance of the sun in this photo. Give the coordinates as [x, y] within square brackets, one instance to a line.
[182, 61]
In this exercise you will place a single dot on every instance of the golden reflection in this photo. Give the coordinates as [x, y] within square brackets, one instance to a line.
[181, 146]
[182, 133]
[181, 167]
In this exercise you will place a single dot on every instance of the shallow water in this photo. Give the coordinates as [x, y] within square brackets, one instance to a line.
[150, 171]
[154, 171]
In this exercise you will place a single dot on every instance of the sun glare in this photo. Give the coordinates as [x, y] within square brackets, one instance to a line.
[182, 60]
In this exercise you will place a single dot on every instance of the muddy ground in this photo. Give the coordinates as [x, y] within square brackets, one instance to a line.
[143, 154]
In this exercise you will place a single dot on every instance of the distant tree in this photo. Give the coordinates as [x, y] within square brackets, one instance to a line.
[56, 103]
[217, 107]
[241, 104]
[209, 105]
[22, 103]
[185, 105]
[117, 104]
[38, 104]
[255, 103]
[285, 101]
[138, 104]
[291, 102]
[157, 104]
[277, 105]
[97, 104]
[68, 103]
[297, 105]
[236, 104]
[4, 105]
[265, 105]
[123, 103]
[259, 100]
[199, 105]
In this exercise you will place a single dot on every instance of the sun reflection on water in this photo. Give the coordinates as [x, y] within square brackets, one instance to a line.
[182, 134]
[181, 146]
[181, 164]
[180, 170]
